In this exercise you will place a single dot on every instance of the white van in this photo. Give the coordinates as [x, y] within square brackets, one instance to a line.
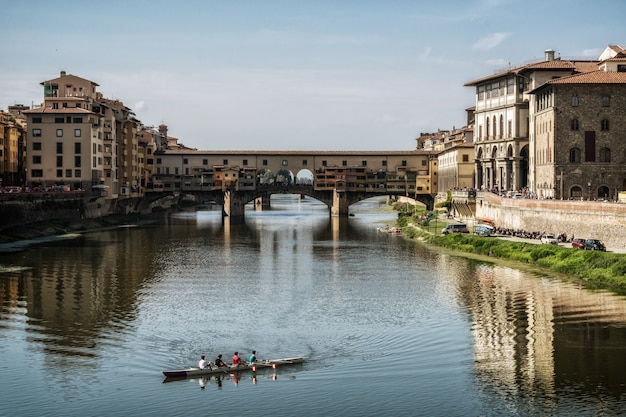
[455, 228]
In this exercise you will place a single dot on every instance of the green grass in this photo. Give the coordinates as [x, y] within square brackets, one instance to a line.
[596, 270]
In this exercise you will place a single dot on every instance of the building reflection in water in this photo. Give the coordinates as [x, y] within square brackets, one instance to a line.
[540, 337]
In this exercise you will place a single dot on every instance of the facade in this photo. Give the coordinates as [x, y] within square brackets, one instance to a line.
[78, 140]
[12, 140]
[189, 169]
[579, 151]
[503, 121]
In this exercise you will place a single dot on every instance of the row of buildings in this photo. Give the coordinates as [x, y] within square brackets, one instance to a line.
[553, 128]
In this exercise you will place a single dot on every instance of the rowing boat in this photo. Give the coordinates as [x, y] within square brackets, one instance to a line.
[194, 371]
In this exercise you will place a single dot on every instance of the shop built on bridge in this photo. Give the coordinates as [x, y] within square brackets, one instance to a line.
[338, 179]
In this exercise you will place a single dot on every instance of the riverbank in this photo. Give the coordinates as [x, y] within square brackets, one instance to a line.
[592, 269]
[19, 237]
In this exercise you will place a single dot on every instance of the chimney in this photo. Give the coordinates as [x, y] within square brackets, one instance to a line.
[549, 55]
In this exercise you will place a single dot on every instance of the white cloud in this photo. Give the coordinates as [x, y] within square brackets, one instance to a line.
[491, 41]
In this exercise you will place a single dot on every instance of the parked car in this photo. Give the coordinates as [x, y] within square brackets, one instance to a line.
[483, 230]
[578, 243]
[455, 228]
[594, 244]
[549, 239]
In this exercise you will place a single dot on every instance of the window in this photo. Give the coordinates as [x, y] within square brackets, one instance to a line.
[59, 160]
[305, 162]
[465, 158]
[423, 162]
[324, 163]
[284, 162]
[363, 163]
[77, 133]
[77, 147]
[36, 159]
[265, 162]
[59, 147]
[59, 133]
[574, 101]
[225, 162]
[403, 163]
[158, 160]
[185, 161]
[68, 173]
[590, 146]
[59, 173]
[606, 101]
[574, 125]
[344, 163]
[55, 106]
[77, 173]
[604, 125]
[36, 133]
[59, 120]
[205, 162]
[36, 146]
[36, 119]
[245, 162]
[77, 120]
[36, 173]
[384, 163]
[605, 155]
[77, 161]
[574, 155]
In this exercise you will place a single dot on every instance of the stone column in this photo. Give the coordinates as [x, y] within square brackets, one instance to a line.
[340, 204]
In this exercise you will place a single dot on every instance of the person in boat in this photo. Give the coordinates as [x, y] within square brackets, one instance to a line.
[252, 358]
[203, 364]
[236, 359]
[219, 362]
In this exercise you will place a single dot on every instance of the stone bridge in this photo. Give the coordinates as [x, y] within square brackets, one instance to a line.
[233, 201]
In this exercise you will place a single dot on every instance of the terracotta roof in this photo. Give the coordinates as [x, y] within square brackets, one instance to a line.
[594, 77]
[556, 64]
[63, 110]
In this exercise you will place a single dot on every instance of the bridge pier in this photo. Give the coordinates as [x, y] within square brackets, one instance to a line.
[233, 208]
[340, 204]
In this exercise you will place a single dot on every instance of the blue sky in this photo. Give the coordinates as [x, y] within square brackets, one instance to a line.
[292, 74]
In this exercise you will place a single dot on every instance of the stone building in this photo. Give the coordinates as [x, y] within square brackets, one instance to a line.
[578, 134]
[503, 122]
[12, 138]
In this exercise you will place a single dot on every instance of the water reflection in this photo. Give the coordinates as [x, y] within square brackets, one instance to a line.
[333, 287]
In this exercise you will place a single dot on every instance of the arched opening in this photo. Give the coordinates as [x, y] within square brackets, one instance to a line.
[304, 177]
[265, 177]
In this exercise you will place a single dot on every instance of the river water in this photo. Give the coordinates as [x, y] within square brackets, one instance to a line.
[387, 326]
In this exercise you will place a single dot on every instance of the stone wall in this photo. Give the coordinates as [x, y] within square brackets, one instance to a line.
[585, 219]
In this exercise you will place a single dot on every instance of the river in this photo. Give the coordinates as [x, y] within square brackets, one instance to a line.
[387, 326]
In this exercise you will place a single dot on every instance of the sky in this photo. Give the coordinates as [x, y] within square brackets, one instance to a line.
[293, 74]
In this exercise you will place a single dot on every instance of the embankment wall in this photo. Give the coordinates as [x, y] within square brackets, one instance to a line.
[584, 219]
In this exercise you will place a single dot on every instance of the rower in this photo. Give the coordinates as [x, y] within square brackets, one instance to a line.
[219, 362]
[252, 358]
[202, 364]
[236, 359]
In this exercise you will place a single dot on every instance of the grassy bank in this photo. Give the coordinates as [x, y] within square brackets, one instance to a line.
[594, 270]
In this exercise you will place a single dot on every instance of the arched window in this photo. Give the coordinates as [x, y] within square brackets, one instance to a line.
[501, 127]
[605, 155]
[574, 155]
[604, 124]
[576, 192]
[494, 127]
[574, 101]
[574, 124]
